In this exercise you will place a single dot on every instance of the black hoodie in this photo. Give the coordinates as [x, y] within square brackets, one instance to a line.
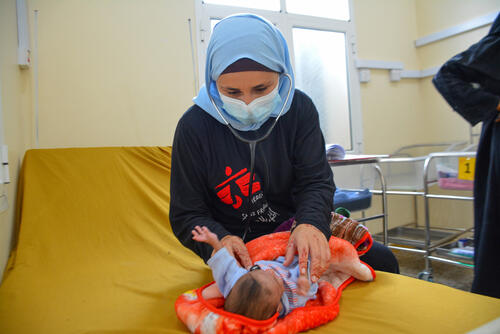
[210, 176]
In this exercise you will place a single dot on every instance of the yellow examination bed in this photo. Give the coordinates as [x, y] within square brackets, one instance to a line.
[95, 254]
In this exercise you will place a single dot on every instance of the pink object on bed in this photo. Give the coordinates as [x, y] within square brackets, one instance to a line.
[456, 184]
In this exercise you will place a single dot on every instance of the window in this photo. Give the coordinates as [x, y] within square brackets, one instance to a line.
[333, 9]
[320, 64]
[255, 4]
[320, 37]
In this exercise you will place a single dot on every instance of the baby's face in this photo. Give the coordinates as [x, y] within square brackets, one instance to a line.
[269, 280]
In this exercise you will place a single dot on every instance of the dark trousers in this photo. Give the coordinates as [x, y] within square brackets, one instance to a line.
[381, 258]
[487, 212]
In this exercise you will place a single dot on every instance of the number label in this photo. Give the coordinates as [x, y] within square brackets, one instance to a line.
[466, 167]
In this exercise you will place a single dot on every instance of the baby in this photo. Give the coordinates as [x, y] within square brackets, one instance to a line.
[268, 287]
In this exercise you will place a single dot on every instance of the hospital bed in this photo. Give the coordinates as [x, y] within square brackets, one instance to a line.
[94, 253]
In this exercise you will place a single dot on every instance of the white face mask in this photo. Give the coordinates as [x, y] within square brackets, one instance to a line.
[257, 111]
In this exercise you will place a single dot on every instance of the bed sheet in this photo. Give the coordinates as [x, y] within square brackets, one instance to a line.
[95, 253]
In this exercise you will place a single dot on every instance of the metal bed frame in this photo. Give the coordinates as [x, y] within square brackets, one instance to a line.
[350, 160]
[433, 239]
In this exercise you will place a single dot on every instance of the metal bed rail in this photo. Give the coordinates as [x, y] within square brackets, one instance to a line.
[430, 246]
[427, 196]
[375, 159]
[450, 146]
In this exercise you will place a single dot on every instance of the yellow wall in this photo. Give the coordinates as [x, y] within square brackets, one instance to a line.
[391, 110]
[16, 106]
[111, 73]
[411, 111]
[119, 72]
[430, 19]
[107, 78]
[115, 72]
[436, 15]
[443, 124]
[388, 105]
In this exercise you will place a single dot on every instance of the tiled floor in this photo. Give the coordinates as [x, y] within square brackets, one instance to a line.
[411, 264]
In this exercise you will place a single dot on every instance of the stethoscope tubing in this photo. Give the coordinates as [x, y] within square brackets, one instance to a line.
[252, 144]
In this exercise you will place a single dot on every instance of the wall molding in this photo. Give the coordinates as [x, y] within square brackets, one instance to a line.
[396, 70]
[23, 38]
[379, 64]
[475, 23]
[418, 74]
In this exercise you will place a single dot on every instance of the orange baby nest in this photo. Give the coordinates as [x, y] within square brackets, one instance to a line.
[208, 315]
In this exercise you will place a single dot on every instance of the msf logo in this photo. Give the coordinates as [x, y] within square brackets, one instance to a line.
[242, 181]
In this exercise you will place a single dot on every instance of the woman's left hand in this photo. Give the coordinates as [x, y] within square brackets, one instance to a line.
[307, 240]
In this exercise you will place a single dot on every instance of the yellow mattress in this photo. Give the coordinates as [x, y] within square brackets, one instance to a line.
[95, 254]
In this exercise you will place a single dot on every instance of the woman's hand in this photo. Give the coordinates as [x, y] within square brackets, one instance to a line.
[236, 248]
[307, 240]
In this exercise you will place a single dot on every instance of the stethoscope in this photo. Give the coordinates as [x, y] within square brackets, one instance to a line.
[252, 144]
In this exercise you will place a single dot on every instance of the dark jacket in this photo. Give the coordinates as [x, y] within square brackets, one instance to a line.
[470, 82]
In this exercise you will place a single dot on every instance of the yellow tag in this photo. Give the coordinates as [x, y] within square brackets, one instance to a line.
[466, 168]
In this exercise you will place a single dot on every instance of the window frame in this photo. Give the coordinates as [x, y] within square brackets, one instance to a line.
[286, 22]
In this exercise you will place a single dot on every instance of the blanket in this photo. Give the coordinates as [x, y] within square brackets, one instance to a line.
[208, 316]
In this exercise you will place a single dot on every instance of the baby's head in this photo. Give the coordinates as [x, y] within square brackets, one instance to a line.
[256, 295]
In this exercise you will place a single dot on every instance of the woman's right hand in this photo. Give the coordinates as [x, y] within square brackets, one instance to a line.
[236, 248]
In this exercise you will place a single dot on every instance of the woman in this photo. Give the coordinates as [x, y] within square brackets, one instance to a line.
[250, 153]
[470, 82]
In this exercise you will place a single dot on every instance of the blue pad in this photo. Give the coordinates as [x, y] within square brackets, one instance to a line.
[352, 200]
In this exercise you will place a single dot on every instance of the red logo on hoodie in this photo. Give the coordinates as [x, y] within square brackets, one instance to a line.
[242, 180]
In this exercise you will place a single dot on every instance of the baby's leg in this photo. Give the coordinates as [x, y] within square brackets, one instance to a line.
[344, 262]
[334, 277]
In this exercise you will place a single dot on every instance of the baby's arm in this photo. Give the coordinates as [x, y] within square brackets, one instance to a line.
[225, 268]
[211, 291]
[203, 234]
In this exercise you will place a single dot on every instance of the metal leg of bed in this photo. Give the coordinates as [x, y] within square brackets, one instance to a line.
[384, 204]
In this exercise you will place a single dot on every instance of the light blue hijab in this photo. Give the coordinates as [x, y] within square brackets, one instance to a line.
[244, 36]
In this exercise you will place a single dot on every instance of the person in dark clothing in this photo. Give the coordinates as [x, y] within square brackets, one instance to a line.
[470, 83]
[239, 171]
